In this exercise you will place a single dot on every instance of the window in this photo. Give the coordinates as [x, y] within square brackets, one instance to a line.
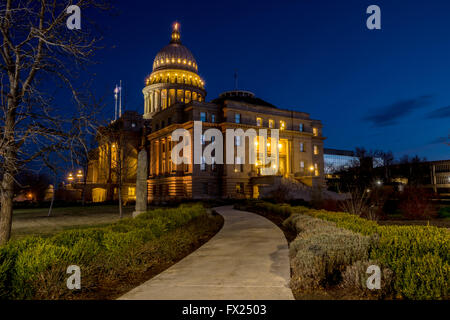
[239, 188]
[316, 150]
[131, 191]
[169, 121]
[316, 169]
[237, 140]
[213, 118]
[302, 166]
[259, 122]
[302, 147]
[238, 167]
[315, 132]
[203, 164]
[203, 116]
[237, 118]
[282, 125]
[271, 123]
[301, 127]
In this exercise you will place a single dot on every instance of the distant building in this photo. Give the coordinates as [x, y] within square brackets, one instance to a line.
[440, 176]
[116, 156]
[336, 160]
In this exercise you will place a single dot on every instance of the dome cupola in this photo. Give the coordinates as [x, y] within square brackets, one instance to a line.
[174, 77]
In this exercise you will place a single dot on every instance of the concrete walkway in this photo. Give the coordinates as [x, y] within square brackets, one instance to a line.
[247, 260]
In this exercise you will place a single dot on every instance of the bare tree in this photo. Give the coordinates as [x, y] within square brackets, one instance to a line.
[121, 152]
[36, 47]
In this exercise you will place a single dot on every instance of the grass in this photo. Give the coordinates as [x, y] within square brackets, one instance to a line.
[114, 258]
[35, 221]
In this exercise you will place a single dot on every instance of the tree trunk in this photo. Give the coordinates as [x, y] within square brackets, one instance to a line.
[10, 158]
[120, 200]
[53, 199]
[6, 208]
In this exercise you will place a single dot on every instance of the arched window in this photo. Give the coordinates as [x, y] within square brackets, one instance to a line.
[187, 96]
[164, 99]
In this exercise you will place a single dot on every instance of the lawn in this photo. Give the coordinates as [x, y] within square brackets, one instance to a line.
[36, 222]
[114, 257]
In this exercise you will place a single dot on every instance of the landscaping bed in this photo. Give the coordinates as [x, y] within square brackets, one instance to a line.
[332, 250]
[113, 259]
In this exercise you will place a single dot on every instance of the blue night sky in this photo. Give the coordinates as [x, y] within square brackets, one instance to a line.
[384, 89]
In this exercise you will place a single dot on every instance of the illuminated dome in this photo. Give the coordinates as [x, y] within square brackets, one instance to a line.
[174, 77]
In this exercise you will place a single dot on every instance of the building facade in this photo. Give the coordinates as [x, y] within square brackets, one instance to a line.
[113, 164]
[174, 97]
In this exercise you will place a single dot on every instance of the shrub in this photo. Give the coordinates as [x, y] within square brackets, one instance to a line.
[283, 210]
[35, 267]
[418, 252]
[321, 251]
[415, 203]
[355, 278]
[444, 212]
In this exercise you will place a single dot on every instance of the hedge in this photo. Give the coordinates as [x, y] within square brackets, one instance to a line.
[418, 256]
[38, 264]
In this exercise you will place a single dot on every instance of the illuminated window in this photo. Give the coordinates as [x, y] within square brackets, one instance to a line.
[271, 123]
[282, 125]
[237, 118]
[237, 140]
[203, 116]
[187, 96]
[302, 166]
[301, 127]
[316, 150]
[131, 191]
[239, 188]
[316, 169]
[302, 147]
[213, 118]
[238, 167]
[315, 132]
[259, 122]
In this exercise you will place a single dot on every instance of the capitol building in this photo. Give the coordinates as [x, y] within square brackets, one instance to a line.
[174, 97]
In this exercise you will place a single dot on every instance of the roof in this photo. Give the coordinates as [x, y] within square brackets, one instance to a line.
[245, 99]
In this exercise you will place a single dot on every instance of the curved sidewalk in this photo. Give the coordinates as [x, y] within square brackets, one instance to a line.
[247, 260]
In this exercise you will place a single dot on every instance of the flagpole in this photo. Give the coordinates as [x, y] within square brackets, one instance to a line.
[120, 102]
[116, 90]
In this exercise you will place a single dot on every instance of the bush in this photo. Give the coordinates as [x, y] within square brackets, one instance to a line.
[422, 253]
[322, 251]
[444, 212]
[35, 267]
[415, 203]
[355, 278]
[283, 210]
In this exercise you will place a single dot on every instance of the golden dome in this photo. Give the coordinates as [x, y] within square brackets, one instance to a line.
[175, 55]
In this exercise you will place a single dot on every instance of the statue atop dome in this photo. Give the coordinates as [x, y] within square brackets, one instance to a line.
[176, 37]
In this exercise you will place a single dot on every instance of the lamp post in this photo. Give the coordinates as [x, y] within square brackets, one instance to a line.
[80, 175]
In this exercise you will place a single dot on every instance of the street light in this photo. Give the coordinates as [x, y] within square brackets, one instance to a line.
[70, 177]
